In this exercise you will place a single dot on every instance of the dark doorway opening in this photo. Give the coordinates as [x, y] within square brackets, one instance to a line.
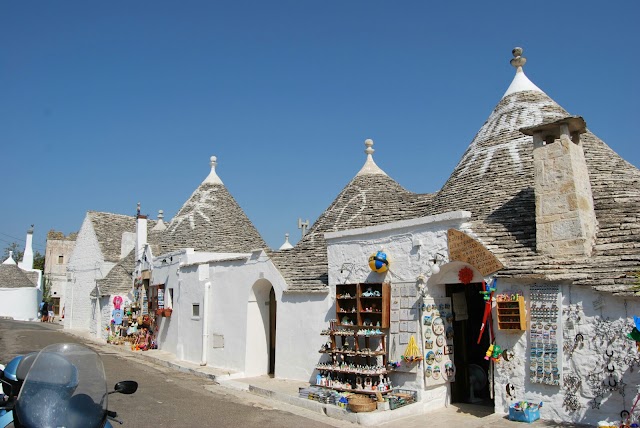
[272, 331]
[472, 384]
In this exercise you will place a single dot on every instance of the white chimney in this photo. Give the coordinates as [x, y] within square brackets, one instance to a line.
[27, 257]
[141, 233]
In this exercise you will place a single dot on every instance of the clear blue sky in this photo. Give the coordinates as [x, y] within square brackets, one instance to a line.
[106, 104]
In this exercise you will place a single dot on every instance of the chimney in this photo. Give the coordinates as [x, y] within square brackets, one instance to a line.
[141, 233]
[565, 218]
[27, 257]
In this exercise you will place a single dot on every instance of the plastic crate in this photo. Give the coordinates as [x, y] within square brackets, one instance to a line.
[527, 415]
[402, 397]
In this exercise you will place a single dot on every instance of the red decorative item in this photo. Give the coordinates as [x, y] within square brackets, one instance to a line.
[465, 275]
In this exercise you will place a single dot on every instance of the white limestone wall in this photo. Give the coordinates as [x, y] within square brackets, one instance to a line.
[85, 266]
[604, 321]
[240, 317]
[180, 334]
[410, 246]
[301, 319]
[19, 303]
[236, 339]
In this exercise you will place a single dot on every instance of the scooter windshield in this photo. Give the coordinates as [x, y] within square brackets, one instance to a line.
[65, 387]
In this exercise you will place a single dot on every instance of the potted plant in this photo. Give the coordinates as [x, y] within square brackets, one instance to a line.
[167, 312]
[159, 312]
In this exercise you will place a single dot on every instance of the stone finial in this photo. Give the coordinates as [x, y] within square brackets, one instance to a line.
[213, 178]
[30, 231]
[370, 166]
[369, 143]
[138, 209]
[160, 215]
[287, 245]
[518, 60]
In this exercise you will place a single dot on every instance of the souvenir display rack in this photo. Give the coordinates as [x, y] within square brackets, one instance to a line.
[363, 304]
[511, 313]
[358, 360]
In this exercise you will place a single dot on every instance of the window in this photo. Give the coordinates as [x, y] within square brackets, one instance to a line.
[195, 310]
[60, 260]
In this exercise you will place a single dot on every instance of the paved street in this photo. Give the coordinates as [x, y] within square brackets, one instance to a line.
[166, 397]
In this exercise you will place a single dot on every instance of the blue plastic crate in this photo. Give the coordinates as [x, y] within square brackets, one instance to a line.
[527, 415]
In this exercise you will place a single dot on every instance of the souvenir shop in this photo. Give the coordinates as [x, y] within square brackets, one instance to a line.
[135, 322]
[461, 333]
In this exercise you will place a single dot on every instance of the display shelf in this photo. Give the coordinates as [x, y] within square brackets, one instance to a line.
[356, 391]
[363, 304]
[511, 315]
[357, 339]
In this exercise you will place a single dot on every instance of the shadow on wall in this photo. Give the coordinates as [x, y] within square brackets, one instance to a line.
[518, 216]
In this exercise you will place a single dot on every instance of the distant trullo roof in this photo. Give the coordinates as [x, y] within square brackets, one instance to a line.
[11, 276]
[211, 220]
[370, 198]
[494, 180]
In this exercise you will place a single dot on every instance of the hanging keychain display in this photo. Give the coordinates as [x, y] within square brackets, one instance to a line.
[545, 361]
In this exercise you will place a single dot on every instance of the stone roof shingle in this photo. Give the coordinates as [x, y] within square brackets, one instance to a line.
[11, 276]
[211, 220]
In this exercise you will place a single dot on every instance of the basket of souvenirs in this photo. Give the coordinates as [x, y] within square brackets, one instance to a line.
[361, 403]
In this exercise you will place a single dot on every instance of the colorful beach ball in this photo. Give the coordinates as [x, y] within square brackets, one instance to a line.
[378, 262]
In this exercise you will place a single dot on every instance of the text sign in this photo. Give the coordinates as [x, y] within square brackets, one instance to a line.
[463, 248]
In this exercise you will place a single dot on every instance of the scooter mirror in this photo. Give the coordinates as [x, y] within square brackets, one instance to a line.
[126, 387]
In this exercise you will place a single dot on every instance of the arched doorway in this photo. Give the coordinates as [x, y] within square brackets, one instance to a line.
[261, 330]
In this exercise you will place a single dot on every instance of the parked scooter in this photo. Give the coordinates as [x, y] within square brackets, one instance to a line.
[63, 385]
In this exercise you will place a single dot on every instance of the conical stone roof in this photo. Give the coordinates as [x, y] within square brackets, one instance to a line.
[211, 220]
[11, 276]
[495, 181]
[370, 198]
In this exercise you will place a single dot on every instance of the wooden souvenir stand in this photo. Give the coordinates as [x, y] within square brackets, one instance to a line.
[357, 342]
[511, 314]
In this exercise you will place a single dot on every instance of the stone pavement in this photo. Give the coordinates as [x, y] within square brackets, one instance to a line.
[283, 394]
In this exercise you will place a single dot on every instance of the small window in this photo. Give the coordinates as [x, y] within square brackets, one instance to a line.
[195, 310]
[60, 260]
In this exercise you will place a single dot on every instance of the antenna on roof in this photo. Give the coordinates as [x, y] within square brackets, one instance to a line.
[303, 225]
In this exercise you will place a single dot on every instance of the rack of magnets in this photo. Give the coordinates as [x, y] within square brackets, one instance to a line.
[545, 360]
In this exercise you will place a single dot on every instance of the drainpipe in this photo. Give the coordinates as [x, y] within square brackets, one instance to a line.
[205, 323]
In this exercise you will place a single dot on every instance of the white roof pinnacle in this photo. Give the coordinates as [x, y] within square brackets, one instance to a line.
[213, 178]
[9, 260]
[287, 245]
[370, 166]
[520, 82]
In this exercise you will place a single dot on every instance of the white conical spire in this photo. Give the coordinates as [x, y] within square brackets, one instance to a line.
[27, 256]
[520, 82]
[9, 260]
[160, 224]
[287, 245]
[370, 166]
[213, 178]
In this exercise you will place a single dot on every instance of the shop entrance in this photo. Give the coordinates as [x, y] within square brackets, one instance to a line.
[472, 383]
[260, 358]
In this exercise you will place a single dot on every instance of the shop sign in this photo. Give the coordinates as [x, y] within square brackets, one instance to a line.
[463, 248]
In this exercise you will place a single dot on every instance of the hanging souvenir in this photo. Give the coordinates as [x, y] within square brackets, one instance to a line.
[378, 262]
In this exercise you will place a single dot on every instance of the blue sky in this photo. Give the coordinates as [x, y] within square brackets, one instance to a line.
[106, 104]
